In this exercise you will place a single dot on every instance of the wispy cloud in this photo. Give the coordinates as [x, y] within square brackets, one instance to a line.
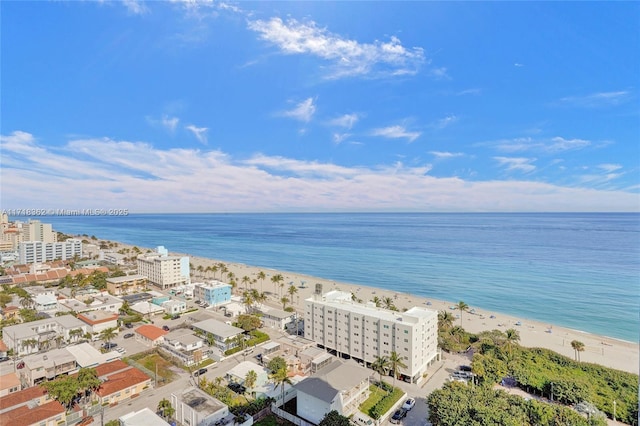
[396, 132]
[143, 178]
[347, 57]
[516, 163]
[440, 73]
[338, 138]
[610, 168]
[599, 99]
[443, 155]
[346, 120]
[553, 145]
[518, 65]
[469, 92]
[199, 132]
[303, 111]
[170, 122]
[445, 121]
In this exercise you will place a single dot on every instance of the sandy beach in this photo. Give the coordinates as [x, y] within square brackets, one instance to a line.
[615, 353]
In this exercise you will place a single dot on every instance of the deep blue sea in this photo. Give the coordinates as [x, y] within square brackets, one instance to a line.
[576, 270]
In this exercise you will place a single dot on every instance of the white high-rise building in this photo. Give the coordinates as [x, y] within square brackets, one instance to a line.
[39, 251]
[163, 270]
[364, 332]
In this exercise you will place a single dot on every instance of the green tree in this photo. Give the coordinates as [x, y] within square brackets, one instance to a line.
[280, 379]
[108, 334]
[381, 366]
[578, 347]
[284, 300]
[376, 300]
[248, 322]
[396, 364]
[445, 320]
[292, 291]
[165, 407]
[462, 307]
[250, 380]
[88, 381]
[26, 301]
[333, 418]
[63, 390]
[277, 363]
[261, 276]
[5, 299]
[276, 279]
[246, 280]
[388, 303]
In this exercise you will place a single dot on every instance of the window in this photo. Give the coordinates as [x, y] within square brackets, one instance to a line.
[406, 332]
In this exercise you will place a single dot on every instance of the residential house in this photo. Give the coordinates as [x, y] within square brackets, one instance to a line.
[184, 345]
[150, 335]
[194, 407]
[214, 293]
[122, 385]
[34, 336]
[31, 406]
[11, 312]
[220, 334]
[126, 284]
[341, 386]
[144, 417]
[87, 356]
[238, 374]
[98, 321]
[40, 367]
[276, 318]
[9, 383]
[92, 301]
[174, 307]
[147, 308]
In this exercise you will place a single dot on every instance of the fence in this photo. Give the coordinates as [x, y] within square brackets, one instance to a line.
[290, 417]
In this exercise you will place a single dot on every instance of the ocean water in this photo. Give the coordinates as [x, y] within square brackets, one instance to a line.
[576, 270]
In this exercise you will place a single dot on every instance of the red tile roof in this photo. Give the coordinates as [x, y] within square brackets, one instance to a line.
[151, 332]
[87, 318]
[111, 367]
[3, 346]
[21, 397]
[120, 381]
[28, 416]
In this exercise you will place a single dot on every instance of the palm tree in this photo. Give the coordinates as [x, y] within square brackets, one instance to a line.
[395, 365]
[26, 301]
[281, 378]
[387, 302]
[214, 269]
[88, 381]
[513, 337]
[75, 333]
[250, 380]
[284, 300]
[445, 320]
[261, 277]
[165, 406]
[248, 300]
[578, 347]
[377, 301]
[292, 290]
[381, 366]
[275, 279]
[108, 334]
[462, 307]
[246, 280]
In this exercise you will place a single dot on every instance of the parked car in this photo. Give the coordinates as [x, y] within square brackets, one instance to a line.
[4, 358]
[400, 414]
[121, 350]
[128, 336]
[200, 372]
[109, 345]
[165, 327]
[128, 325]
[237, 388]
[409, 404]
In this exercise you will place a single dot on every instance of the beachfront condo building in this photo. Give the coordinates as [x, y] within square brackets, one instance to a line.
[364, 332]
[34, 230]
[40, 251]
[214, 293]
[162, 270]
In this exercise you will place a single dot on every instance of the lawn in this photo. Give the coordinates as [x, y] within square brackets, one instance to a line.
[380, 401]
[164, 367]
[272, 420]
[376, 395]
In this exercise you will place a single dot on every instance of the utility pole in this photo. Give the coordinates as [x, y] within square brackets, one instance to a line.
[614, 410]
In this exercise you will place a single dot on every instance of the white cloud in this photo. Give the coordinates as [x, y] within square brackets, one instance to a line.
[338, 138]
[442, 155]
[553, 145]
[609, 167]
[347, 57]
[106, 173]
[170, 122]
[346, 120]
[446, 121]
[518, 65]
[440, 73]
[136, 7]
[396, 132]
[303, 111]
[599, 99]
[516, 163]
[199, 132]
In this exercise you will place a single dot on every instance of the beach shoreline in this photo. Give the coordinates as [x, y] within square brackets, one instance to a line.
[608, 351]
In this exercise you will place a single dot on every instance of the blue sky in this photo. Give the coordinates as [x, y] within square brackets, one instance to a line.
[198, 106]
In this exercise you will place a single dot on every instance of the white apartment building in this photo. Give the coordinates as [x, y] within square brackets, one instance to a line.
[39, 251]
[162, 270]
[365, 332]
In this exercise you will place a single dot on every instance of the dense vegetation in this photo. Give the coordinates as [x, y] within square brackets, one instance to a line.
[542, 371]
[458, 404]
[383, 396]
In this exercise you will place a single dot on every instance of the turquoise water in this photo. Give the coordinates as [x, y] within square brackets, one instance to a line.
[576, 270]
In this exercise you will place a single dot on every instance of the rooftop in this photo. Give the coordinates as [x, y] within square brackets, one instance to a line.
[48, 359]
[88, 356]
[334, 378]
[97, 317]
[199, 401]
[122, 380]
[144, 417]
[24, 415]
[218, 328]
[126, 278]
[151, 332]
